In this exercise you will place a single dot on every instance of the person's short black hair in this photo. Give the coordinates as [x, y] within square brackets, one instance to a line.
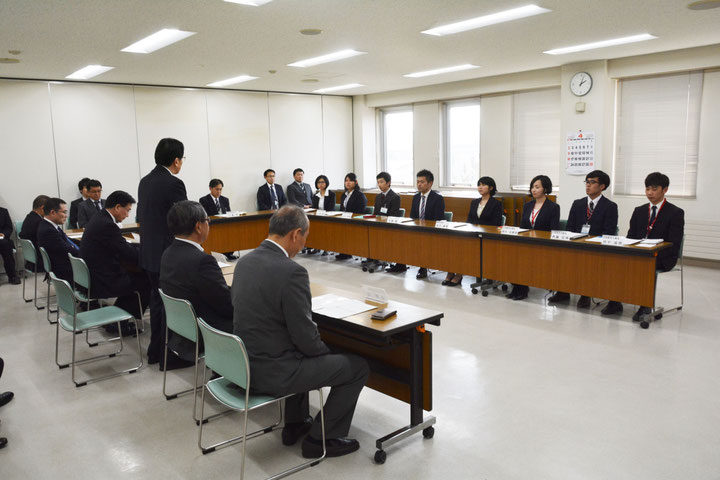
[603, 178]
[40, 201]
[119, 197]
[490, 183]
[429, 177]
[167, 150]
[287, 219]
[298, 170]
[657, 179]
[544, 181]
[353, 178]
[268, 171]
[93, 183]
[215, 182]
[184, 215]
[53, 204]
[384, 175]
[322, 177]
[82, 183]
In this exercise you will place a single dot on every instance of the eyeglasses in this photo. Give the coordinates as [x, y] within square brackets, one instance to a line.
[591, 182]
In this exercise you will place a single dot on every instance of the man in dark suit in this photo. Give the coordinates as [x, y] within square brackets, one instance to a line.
[7, 246]
[187, 272]
[593, 215]
[94, 203]
[82, 186]
[658, 219]
[270, 196]
[272, 314]
[52, 238]
[387, 202]
[157, 192]
[112, 261]
[30, 227]
[215, 204]
[299, 193]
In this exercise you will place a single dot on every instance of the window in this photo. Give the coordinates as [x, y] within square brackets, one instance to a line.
[397, 144]
[657, 129]
[535, 137]
[462, 143]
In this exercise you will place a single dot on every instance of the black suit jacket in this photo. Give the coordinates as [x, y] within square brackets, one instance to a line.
[264, 199]
[58, 245]
[157, 192]
[434, 206]
[548, 218]
[328, 202]
[356, 204]
[74, 211]
[105, 250]
[669, 225]
[603, 221]
[491, 214]
[208, 203]
[87, 210]
[389, 200]
[6, 225]
[29, 232]
[297, 195]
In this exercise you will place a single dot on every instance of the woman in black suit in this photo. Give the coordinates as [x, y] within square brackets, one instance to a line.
[353, 200]
[538, 214]
[324, 198]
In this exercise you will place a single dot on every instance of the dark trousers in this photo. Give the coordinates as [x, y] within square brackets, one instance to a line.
[128, 301]
[6, 251]
[157, 319]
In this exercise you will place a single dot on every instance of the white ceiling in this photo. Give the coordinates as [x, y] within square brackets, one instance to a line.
[59, 37]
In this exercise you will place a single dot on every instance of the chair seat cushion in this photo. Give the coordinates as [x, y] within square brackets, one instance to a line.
[95, 318]
[233, 396]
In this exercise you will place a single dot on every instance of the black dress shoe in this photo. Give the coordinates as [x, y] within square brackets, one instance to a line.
[342, 256]
[14, 280]
[5, 398]
[422, 273]
[559, 297]
[641, 311]
[231, 256]
[292, 432]
[334, 447]
[522, 294]
[3, 442]
[397, 268]
[513, 293]
[153, 359]
[583, 302]
[612, 308]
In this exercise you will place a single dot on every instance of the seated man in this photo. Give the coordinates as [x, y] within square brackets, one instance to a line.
[299, 193]
[187, 272]
[658, 219]
[112, 261]
[270, 196]
[30, 227]
[272, 302]
[592, 215]
[214, 204]
[7, 246]
[51, 237]
[92, 205]
[387, 202]
[82, 186]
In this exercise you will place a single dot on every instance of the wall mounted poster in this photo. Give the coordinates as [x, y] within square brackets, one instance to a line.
[580, 153]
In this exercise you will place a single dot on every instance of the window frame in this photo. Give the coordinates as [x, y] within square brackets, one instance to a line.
[383, 138]
[445, 128]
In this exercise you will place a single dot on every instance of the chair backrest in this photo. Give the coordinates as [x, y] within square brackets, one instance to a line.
[28, 250]
[369, 210]
[504, 220]
[448, 216]
[46, 259]
[563, 224]
[18, 227]
[225, 354]
[65, 297]
[81, 272]
[180, 316]
[402, 212]
[337, 207]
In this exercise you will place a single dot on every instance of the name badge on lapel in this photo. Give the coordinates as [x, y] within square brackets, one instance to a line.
[383, 210]
[585, 229]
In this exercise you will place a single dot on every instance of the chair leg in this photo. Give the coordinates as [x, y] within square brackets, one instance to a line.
[35, 296]
[49, 309]
[112, 375]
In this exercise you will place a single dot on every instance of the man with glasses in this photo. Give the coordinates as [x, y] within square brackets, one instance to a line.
[52, 238]
[94, 203]
[270, 196]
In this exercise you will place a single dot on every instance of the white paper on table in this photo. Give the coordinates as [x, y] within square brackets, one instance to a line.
[335, 306]
[334, 213]
[222, 264]
[231, 214]
[625, 240]
[136, 236]
[653, 241]
[75, 235]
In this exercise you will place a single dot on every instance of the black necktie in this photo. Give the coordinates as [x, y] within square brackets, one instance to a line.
[97, 206]
[382, 198]
[274, 198]
[652, 215]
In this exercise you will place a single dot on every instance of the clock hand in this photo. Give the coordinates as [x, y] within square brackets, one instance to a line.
[582, 81]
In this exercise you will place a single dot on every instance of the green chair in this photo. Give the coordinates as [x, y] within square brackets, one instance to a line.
[563, 224]
[504, 220]
[657, 312]
[337, 207]
[402, 212]
[48, 268]
[448, 216]
[75, 322]
[29, 255]
[369, 210]
[225, 355]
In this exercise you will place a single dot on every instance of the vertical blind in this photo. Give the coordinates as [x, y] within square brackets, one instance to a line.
[657, 129]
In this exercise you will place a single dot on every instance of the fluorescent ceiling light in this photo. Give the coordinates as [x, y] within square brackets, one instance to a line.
[339, 87]
[330, 57]
[438, 71]
[231, 81]
[89, 72]
[252, 3]
[485, 20]
[158, 40]
[604, 43]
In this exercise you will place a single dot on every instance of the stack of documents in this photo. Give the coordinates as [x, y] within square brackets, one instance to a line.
[335, 306]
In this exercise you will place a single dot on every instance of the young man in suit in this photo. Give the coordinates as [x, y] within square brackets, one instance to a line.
[387, 202]
[7, 246]
[158, 191]
[658, 219]
[299, 193]
[82, 186]
[94, 204]
[593, 215]
[285, 350]
[270, 196]
[30, 227]
[427, 204]
[112, 261]
[51, 237]
[187, 272]
[215, 204]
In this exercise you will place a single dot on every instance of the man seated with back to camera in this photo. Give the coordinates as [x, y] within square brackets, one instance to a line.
[30, 227]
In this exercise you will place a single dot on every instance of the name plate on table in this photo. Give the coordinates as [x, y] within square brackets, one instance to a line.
[347, 214]
[321, 213]
[512, 230]
[612, 240]
[565, 235]
[375, 294]
[443, 224]
[398, 220]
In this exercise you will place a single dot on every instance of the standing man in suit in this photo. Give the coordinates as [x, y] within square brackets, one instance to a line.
[299, 193]
[94, 204]
[30, 227]
[7, 246]
[270, 196]
[82, 186]
[215, 204]
[427, 204]
[388, 202]
[187, 272]
[658, 219]
[51, 237]
[158, 191]
[110, 259]
[272, 314]
[594, 215]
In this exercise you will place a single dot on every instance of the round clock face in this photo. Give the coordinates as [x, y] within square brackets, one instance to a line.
[580, 84]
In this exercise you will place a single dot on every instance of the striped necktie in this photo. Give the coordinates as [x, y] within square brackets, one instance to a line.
[422, 207]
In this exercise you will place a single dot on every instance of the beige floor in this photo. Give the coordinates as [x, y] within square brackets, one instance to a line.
[522, 391]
